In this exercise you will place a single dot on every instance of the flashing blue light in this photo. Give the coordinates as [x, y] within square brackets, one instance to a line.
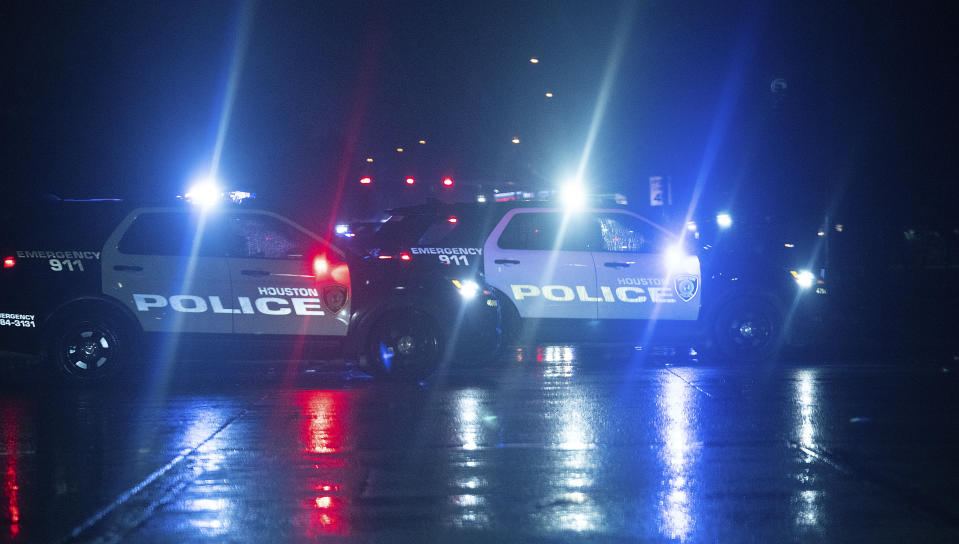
[342, 229]
[724, 220]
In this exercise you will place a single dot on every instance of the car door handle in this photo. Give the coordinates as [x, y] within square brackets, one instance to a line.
[127, 268]
[617, 265]
[506, 261]
[254, 273]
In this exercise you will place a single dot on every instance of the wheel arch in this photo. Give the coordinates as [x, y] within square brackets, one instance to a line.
[100, 303]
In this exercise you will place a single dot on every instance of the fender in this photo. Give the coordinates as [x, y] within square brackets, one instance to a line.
[114, 304]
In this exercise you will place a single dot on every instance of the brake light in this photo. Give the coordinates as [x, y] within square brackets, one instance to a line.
[9, 262]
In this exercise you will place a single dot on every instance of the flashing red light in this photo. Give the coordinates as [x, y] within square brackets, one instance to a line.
[452, 219]
[447, 182]
[9, 262]
[410, 180]
[366, 180]
[321, 267]
[405, 256]
[385, 257]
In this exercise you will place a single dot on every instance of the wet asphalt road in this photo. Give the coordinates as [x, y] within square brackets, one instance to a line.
[556, 443]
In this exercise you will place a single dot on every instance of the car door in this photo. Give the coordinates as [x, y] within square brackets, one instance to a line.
[642, 272]
[169, 268]
[287, 281]
[541, 259]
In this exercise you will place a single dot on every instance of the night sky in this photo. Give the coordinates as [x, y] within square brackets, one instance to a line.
[127, 99]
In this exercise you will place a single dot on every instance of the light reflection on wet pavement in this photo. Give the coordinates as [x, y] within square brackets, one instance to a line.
[553, 442]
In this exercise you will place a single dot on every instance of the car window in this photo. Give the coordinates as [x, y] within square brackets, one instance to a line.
[402, 229]
[548, 231]
[624, 233]
[173, 233]
[263, 237]
[464, 230]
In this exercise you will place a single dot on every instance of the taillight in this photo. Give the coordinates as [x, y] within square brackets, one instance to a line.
[452, 219]
[366, 180]
[447, 182]
[9, 262]
[403, 256]
[410, 180]
[341, 274]
[324, 268]
[321, 267]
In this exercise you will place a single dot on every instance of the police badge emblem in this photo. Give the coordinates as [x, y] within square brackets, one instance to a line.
[686, 286]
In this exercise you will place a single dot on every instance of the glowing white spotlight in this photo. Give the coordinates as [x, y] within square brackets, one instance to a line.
[804, 278]
[573, 195]
[467, 288]
[724, 220]
[205, 192]
[673, 256]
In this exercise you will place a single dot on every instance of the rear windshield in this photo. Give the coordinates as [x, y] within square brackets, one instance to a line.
[432, 230]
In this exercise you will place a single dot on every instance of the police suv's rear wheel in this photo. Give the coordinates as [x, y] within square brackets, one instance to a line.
[748, 330]
[89, 349]
[405, 345]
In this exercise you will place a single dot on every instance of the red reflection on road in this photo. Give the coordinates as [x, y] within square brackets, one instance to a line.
[323, 429]
[10, 418]
[324, 437]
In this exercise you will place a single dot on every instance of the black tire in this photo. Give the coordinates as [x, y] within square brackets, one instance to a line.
[747, 330]
[405, 345]
[86, 348]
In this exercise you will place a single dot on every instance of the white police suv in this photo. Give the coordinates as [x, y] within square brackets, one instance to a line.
[91, 283]
[602, 272]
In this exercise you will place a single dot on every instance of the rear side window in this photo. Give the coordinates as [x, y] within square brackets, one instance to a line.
[173, 233]
[264, 237]
[624, 233]
[548, 231]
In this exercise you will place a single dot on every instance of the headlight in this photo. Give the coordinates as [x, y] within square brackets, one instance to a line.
[804, 278]
[467, 288]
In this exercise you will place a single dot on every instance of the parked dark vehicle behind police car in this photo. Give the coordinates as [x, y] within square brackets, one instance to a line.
[92, 284]
[605, 272]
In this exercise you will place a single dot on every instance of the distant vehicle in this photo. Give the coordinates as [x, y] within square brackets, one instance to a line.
[88, 283]
[607, 272]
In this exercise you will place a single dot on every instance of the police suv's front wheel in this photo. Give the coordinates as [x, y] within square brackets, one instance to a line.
[748, 329]
[405, 345]
[89, 348]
